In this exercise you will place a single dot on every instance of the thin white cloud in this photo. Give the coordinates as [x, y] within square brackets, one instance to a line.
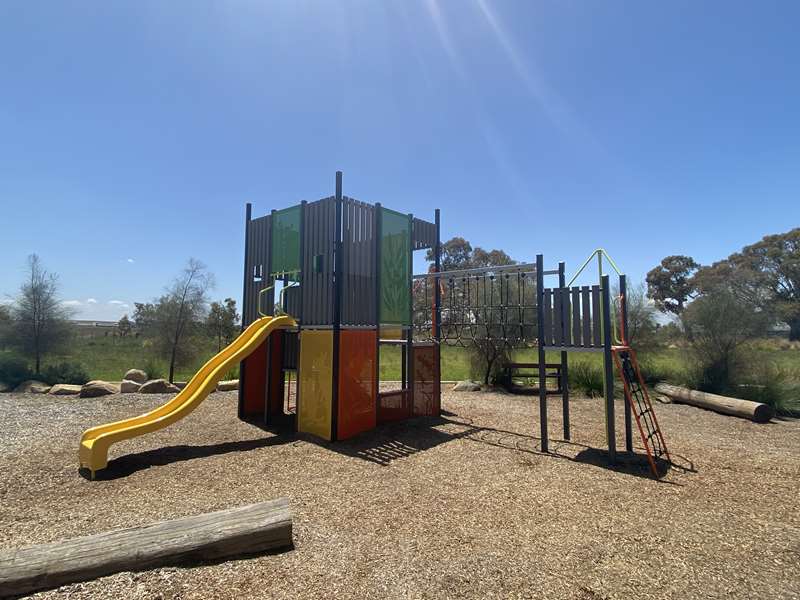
[91, 301]
[71, 303]
[130, 260]
[118, 303]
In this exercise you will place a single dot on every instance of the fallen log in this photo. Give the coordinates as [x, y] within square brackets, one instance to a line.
[755, 411]
[244, 530]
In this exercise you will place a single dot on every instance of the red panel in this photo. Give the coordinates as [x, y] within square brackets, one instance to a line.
[357, 376]
[255, 383]
[276, 373]
[427, 387]
[393, 406]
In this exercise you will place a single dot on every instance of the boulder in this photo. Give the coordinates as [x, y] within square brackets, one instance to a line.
[127, 386]
[466, 386]
[158, 386]
[136, 375]
[97, 388]
[228, 386]
[4, 387]
[64, 389]
[32, 387]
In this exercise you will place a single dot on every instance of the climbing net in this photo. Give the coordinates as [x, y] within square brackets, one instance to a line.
[494, 305]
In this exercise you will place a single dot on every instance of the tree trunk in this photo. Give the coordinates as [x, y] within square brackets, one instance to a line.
[172, 365]
[488, 371]
[794, 329]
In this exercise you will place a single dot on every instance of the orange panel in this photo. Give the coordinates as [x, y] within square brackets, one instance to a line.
[427, 387]
[357, 377]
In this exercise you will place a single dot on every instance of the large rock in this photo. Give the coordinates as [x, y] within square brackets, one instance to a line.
[466, 386]
[32, 387]
[158, 386]
[64, 389]
[129, 387]
[97, 388]
[136, 375]
[228, 386]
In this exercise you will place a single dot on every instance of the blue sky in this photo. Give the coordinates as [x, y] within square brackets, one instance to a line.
[133, 133]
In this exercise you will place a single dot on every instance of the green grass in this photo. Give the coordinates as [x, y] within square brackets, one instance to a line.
[109, 357]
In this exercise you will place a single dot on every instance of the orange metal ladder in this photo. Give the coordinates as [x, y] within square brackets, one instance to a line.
[639, 400]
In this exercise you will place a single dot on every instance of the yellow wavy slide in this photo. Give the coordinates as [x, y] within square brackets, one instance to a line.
[96, 441]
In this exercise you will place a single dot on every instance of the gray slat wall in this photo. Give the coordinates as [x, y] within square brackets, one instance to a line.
[572, 317]
[358, 263]
[318, 239]
[423, 234]
[256, 278]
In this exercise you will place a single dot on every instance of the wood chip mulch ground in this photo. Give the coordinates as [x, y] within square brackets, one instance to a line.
[460, 506]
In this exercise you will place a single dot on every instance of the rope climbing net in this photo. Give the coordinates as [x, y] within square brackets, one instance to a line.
[494, 305]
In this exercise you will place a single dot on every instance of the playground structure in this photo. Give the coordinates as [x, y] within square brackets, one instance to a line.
[328, 283]
[345, 271]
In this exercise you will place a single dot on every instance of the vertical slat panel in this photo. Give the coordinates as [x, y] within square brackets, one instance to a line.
[558, 317]
[548, 317]
[597, 317]
[566, 311]
[587, 316]
[576, 316]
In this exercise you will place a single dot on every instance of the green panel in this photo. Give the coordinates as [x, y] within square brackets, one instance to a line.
[286, 242]
[395, 273]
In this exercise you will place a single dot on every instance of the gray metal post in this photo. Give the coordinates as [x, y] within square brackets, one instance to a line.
[337, 305]
[378, 227]
[437, 303]
[564, 361]
[409, 371]
[542, 354]
[608, 370]
[248, 215]
[623, 308]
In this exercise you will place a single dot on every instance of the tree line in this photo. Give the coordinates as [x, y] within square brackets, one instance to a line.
[37, 324]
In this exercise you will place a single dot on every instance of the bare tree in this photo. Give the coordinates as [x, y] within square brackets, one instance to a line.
[175, 317]
[642, 325]
[39, 320]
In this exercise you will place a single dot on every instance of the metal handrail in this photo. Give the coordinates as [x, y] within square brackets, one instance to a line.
[525, 267]
[600, 253]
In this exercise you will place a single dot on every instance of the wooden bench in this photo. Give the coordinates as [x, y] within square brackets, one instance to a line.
[531, 371]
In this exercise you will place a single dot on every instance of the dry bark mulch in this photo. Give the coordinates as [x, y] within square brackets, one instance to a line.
[461, 506]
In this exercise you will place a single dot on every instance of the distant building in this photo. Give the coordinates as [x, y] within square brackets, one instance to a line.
[779, 330]
[88, 328]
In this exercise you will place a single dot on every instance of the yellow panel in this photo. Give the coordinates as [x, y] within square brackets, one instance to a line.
[392, 333]
[316, 383]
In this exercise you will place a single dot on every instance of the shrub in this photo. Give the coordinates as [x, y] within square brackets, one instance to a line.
[776, 386]
[14, 370]
[587, 378]
[717, 325]
[487, 359]
[153, 369]
[655, 371]
[64, 372]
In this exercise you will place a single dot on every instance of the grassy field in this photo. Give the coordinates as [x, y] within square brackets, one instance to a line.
[109, 357]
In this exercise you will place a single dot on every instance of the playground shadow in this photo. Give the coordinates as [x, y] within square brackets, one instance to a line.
[394, 441]
[139, 461]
